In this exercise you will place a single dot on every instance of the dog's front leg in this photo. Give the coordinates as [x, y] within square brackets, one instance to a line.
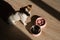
[23, 21]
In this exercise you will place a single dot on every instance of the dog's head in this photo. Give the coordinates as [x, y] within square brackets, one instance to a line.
[26, 10]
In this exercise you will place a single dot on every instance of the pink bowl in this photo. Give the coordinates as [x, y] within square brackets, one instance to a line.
[40, 22]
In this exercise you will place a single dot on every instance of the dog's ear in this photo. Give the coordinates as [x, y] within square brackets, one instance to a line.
[28, 7]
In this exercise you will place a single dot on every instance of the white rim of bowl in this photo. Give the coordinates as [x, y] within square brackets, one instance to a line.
[44, 24]
[36, 35]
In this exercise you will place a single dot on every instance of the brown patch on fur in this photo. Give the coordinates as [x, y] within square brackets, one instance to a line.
[29, 7]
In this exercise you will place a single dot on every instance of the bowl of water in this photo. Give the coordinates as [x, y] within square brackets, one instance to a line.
[35, 30]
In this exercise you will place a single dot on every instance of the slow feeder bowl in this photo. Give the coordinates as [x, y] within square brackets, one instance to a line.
[40, 22]
[35, 30]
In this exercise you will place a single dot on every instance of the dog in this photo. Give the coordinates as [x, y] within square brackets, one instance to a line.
[21, 15]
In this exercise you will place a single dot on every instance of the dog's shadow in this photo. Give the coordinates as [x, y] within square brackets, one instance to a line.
[31, 23]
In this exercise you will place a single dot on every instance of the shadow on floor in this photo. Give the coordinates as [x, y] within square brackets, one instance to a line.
[29, 25]
[5, 10]
[47, 8]
[9, 32]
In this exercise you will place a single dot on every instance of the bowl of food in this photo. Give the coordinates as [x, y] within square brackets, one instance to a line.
[40, 22]
[35, 30]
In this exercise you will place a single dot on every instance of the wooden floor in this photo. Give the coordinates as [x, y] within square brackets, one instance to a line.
[48, 9]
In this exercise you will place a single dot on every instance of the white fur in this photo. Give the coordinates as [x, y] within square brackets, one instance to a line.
[18, 16]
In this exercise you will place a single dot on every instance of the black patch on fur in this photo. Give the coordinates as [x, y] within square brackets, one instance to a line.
[27, 13]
